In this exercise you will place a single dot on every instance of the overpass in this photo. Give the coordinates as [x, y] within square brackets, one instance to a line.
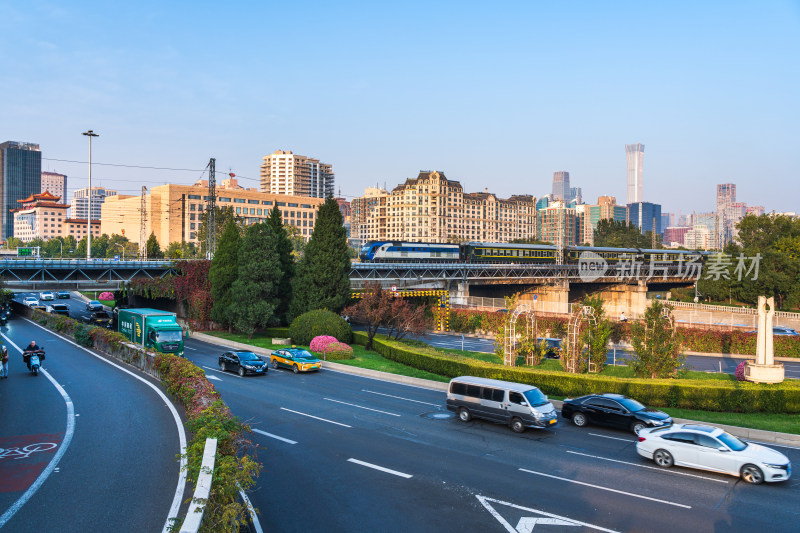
[76, 274]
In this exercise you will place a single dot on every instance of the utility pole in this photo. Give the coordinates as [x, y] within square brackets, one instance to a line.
[143, 225]
[89, 134]
[211, 210]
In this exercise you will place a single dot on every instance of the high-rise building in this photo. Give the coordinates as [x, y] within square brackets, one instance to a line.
[20, 178]
[561, 188]
[558, 225]
[80, 202]
[605, 209]
[576, 195]
[756, 210]
[726, 195]
[699, 238]
[646, 216]
[675, 235]
[283, 172]
[55, 184]
[634, 153]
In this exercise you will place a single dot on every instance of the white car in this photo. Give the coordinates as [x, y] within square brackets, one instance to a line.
[43, 296]
[711, 448]
[30, 301]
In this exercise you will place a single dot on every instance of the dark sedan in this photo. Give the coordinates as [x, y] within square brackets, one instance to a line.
[94, 305]
[242, 362]
[100, 319]
[63, 295]
[613, 410]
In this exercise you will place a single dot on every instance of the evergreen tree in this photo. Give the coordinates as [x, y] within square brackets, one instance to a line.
[286, 260]
[223, 215]
[153, 250]
[323, 275]
[254, 292]
[223, 272]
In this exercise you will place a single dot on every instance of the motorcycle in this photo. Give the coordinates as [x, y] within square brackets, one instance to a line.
[34, 360]
[3, 318]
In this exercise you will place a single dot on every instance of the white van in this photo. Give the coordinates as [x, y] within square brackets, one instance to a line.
[520, 406]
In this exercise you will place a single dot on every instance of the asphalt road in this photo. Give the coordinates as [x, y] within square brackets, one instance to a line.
[77, 307]
[346, 453]
[119, 470]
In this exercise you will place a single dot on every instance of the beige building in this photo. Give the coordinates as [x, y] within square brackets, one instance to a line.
[283, 172]
[55, 184]
[77, 228]
[432, 208]
[173, 211]
[40, 216]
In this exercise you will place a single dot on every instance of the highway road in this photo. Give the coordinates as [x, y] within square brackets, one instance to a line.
[347, 453]
[85, 446]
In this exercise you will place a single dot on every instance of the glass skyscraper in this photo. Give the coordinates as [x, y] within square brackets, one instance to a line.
[646, 216]
[20, 177]
[561, 188]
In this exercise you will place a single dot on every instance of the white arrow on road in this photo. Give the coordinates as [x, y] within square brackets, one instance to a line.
[527, 523]
[209, 376]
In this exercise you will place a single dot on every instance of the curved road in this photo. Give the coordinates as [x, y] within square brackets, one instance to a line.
[346, 453]
[118, 473]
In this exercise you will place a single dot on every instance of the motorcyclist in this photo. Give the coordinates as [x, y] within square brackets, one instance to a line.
[29, 350]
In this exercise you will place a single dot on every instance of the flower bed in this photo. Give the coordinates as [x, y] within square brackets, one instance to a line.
[330, 348]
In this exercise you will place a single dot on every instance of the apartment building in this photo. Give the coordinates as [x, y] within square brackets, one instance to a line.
[80, 201]
[606, 208]
[559, 225]
[432, 208]
[289, 174]
[173, 211]
[55, 184]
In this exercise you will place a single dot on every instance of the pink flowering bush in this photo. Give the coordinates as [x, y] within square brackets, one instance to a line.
[320, 343]
[740, 371]
[105, 296]
[330, 348]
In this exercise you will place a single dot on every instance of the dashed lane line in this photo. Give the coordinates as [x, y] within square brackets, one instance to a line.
[315, 417]
[231, 374]
[276, 437]
[380, 468]
[400, 398]
[648, 467]
[361, 407]
[608, 437]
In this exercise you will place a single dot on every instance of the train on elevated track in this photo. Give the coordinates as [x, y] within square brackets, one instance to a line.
[509, 253]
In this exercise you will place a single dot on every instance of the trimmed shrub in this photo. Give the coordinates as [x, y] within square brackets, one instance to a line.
[742, 397]
[82, 334]
[319, 322]
[338, 350]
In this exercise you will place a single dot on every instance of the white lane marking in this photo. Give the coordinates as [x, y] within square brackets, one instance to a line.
[607, 437]
[274, 436]
[316, 417]
[511, 529]
[230, 374]
[667, 471]
[400, 398]
[773, 444]
[215, 378]
[62, 449]
[190, 348]
[177, 500]
[361, 407]
[252, 511]
[382, 469]
[607, 489]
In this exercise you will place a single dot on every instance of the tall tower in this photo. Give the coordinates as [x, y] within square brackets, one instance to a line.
[726, 196]
[561, 189]
[634, 153]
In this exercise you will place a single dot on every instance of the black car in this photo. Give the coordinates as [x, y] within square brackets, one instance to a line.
[243, 362]
[614, 410]
[63, 295]
[94, 305]
[99, 318]
[58, 309]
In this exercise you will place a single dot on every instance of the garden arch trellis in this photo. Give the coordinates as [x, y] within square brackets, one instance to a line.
[580, 319]
[510, 339]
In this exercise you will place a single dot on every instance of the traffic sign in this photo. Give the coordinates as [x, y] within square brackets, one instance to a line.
[535, 297]
[394, 288]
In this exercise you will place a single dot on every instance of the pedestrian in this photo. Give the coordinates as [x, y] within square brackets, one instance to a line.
[4, 363]
[622, 317]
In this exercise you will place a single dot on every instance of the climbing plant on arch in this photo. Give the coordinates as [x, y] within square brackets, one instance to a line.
[576, 356]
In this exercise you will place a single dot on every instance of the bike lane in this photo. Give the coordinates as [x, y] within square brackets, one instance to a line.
[119, 472]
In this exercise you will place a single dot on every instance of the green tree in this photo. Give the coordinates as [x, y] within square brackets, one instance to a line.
[614, 234]
[224, 214]
[286, 260]
[297, 240]
[153, 250]
[223, 272]
[323, 275]
[596, 335]
[656, 344]
[254, 292]
[12, 243]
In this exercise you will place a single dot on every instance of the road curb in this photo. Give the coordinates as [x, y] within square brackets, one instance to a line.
[740, 356]
[761, 435]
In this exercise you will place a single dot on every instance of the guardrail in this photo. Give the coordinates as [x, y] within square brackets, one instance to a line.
[194, 516]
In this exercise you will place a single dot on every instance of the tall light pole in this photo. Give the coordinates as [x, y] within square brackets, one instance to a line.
[123, 250]
[89, 134]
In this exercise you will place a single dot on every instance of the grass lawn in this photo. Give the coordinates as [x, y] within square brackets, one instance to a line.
[767, 421]
[92, 295]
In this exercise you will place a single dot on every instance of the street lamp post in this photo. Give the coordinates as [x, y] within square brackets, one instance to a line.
[61, 249]
[123, 250]
[89, 134]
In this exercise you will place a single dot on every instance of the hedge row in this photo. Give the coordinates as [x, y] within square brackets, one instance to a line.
[741, 397]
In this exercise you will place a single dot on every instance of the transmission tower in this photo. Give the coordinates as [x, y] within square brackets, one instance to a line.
[211, 210]
[143, 225]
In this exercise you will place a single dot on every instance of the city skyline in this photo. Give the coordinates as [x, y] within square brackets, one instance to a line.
[408, 102]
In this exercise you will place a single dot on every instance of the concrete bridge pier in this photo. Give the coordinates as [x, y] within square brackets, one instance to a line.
[630, 299]
[549, 298]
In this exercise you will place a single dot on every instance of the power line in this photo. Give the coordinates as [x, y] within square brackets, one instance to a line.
[126, 166]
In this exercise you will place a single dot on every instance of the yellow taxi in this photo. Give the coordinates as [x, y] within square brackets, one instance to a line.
[297, 359]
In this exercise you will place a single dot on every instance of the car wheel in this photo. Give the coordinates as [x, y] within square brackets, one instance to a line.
[241, 372]
[637, 427]
[517, 426]
[464, 414]
[663, 458]
[579, 419]
[275, 364]
[295, 369]
[752, 474]
[222, 366]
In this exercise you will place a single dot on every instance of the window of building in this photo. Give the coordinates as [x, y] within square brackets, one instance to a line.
[238, 200]
[292, 205]
[224, 199]
[192, 207]
[306, 206]
[252, 202]
[192, 235]
[191, 216]
[238, 210]
[194, 197]
[259, 211]
[192, 226]
[266, 202]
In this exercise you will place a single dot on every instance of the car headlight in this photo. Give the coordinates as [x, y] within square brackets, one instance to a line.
[776, 467]
[657, 422]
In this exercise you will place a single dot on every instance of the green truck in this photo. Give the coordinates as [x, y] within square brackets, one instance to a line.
[151, 328]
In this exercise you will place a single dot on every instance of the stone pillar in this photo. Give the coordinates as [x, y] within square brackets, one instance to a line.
[548, 298]
[630, 299]
[764, 369]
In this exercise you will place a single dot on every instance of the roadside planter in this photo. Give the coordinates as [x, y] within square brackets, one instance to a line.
[281, 341]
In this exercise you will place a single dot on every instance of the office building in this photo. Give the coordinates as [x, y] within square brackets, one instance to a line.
[561, 188]
[646, 216]
[667, 220]
[605, 209]
[55, 184]
[20, 178]
[432, 208]
[558, 224]
[755, 210]
[288, 174]
[699, 238]
[80, 202]
[576, 195]
[173, 211]
[675, 236]
[726, 195]
[634, 153]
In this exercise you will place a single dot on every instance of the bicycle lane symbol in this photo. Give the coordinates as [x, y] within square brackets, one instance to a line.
[24, 457]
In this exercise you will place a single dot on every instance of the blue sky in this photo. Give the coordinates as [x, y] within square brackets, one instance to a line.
[497, 95]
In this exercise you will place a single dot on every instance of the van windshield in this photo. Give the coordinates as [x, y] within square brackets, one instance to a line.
[535, 397]
[169, 336]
